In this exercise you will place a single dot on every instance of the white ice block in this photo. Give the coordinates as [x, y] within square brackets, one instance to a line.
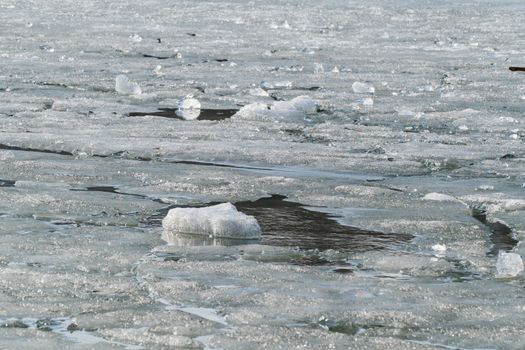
[222, 220]
[362, 88]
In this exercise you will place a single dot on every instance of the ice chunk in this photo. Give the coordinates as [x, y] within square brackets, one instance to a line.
[258, 92]
[125, 86]
[189, 103]
[303, 104]
[283, 84]
[252, 109]
[157, 70]
[508, 265]
[295, 110]
[222, 220]
[362, 88]
[485, 188]
[367, 101]
[135, 38]
[406, 113]
[439, 248]
[440, 197]
[189, 108]
[283, 25]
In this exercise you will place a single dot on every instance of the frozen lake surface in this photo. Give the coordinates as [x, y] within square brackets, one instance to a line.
[378, 144]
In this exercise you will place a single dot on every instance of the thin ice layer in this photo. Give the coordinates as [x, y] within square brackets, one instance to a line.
[222, 220]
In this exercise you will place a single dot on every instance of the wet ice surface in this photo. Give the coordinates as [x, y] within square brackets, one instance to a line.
[415, 144]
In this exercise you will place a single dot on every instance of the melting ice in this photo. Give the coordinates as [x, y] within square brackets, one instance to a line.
[378, 144]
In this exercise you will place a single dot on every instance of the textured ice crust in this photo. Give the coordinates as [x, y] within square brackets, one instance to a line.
[222, 220]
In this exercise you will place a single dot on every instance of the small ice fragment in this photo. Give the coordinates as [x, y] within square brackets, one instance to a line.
[267, 85]
[252, 109]
[463, 127]
[508, 265]
[47, 48]
[157, 70]
[514, 136]
[304, 104]
[318, 68]
[362, 88]
[299, 105]
[125, 86]
[433, 196]
[135, 38]
[335, 70]
[189, 108]
[222, 220]
[284, 25]
[439, 248]
[258, 92]
[406, 113]
[283, 84]
[189, 102]
[308, 51]
[367, 101]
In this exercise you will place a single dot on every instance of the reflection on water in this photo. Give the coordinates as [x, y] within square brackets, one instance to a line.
[188, 114]
[501, 235]
[286, 223]
[189, 240]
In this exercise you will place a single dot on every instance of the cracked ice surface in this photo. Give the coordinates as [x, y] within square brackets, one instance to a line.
[410, 128]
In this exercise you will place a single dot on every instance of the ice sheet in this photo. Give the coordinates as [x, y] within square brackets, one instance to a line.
[397, 118]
